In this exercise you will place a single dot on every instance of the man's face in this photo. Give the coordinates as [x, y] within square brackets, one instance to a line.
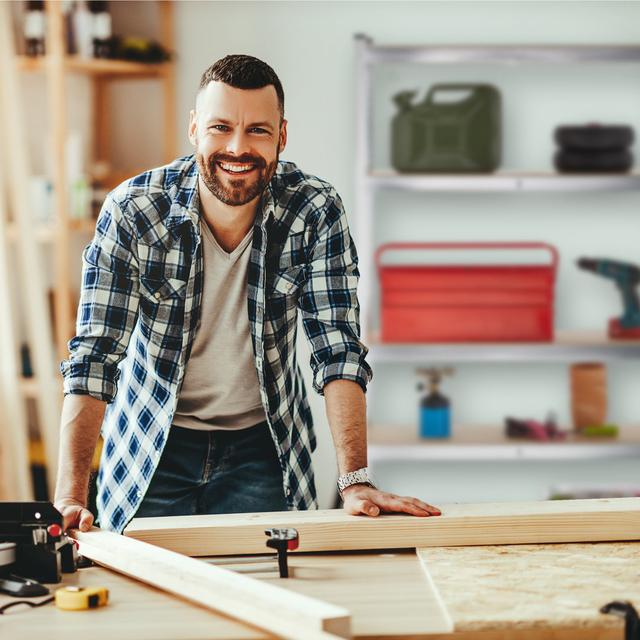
[238, 139]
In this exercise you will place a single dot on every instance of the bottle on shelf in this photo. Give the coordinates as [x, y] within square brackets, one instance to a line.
[34, 28]
[101, 28]
[435, 408]
[82, 30]
[78, 181]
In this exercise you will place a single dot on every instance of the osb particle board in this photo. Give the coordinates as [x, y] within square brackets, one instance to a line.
[535, 586]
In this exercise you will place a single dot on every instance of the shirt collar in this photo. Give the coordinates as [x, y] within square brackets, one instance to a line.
[185, 206]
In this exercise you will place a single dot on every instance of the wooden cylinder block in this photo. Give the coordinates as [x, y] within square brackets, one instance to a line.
[588, 394]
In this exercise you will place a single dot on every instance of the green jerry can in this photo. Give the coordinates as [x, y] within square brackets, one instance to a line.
[457, 128]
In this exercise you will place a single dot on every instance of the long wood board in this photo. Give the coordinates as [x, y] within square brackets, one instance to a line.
[459, 525]
[387, 594]
[260, 604]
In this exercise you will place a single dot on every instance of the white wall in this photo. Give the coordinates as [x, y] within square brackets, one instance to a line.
[310, 45]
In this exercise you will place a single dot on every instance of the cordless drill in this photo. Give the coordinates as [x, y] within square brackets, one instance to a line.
[627, 277]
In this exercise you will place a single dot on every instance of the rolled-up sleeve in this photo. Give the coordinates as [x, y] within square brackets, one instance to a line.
[328, 301]
[108, 307]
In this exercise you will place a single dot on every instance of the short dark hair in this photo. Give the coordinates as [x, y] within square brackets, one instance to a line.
[244, 72]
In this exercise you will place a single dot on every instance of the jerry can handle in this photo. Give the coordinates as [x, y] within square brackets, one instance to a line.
[448, 87]
[412, 246]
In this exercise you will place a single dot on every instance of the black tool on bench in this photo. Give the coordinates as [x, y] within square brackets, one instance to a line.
[626, 610]
[42, 552]
[282, 540]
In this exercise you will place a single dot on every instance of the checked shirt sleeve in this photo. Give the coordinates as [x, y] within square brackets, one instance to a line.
[329, 304]
[108, 307]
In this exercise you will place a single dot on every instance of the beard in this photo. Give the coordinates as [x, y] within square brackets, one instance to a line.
[236, 191]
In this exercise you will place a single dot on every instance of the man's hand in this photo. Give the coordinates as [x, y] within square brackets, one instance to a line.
[75, 515]
[360, 499]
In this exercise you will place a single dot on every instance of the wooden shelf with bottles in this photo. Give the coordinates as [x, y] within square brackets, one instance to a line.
[114, 69]
[45, 232]
[55, 66]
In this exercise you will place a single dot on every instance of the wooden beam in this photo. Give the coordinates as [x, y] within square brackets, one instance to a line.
[459, 525]
[386, 593]
[262, 605]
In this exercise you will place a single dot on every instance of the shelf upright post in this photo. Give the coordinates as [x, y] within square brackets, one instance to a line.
[64, 323]
[168, 81]
[363, 228]
[101, 98]
[31, 277]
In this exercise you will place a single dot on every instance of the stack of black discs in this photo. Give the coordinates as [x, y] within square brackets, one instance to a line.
[594, 148]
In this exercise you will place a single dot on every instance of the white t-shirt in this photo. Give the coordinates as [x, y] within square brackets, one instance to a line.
[220, 389]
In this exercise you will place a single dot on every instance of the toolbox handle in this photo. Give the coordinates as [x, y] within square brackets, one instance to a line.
[412, 246]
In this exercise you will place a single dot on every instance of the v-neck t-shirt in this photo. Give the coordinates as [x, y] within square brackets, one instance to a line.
[220, 389]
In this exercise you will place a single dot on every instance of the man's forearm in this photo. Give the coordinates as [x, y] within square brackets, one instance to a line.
[347, 414]
[79, 431]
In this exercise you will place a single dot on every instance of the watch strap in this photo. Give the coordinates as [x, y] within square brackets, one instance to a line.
[359, 476]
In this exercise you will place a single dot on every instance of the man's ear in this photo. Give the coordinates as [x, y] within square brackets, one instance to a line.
[283, 137]
[193, 127]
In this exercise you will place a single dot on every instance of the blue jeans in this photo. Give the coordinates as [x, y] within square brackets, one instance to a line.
[204, 472]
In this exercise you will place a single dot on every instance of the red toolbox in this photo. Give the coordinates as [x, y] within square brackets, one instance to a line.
[466, 302]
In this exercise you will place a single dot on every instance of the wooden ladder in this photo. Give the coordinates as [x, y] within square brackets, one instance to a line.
[28, 275]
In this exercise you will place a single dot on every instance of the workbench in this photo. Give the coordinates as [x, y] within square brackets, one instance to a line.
[515, 592]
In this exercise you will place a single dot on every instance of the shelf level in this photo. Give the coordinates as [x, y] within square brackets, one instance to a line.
[500, 54]
[397, 443]
[97, 66]
[569, 346]
[45, 232]
[503, 182]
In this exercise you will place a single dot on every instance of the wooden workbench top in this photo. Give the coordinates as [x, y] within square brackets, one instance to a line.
[520, 592]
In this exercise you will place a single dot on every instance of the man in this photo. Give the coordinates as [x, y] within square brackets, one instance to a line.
[186, 345]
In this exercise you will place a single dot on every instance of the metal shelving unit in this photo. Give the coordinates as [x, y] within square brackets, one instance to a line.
[503, 182]
[569, 346]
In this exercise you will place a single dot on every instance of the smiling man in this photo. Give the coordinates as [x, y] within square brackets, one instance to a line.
[186, 349]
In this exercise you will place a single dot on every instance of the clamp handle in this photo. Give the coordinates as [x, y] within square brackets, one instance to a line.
[624, 609]
[283, 540]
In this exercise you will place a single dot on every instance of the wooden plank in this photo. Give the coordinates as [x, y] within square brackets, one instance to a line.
[30, 268]
[459, 525]
[262, 605]
[388, 594]
[136, 611]
[535, 587]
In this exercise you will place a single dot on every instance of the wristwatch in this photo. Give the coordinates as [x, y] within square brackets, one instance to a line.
[359, 476]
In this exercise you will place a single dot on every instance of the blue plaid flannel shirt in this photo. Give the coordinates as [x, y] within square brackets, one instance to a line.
[140, 309]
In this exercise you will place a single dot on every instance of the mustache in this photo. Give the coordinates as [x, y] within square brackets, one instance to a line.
[243, 159]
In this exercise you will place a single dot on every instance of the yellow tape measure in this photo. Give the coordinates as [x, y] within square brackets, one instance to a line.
[79, 598]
